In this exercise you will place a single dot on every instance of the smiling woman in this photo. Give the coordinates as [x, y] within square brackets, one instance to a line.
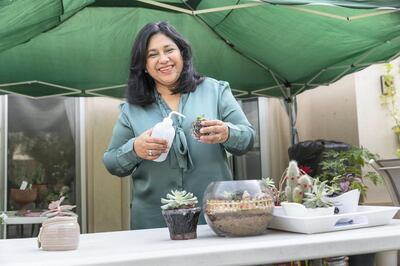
[162, 79]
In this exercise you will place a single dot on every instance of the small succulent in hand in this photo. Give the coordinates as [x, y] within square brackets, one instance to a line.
[179, 200]
[196, 126]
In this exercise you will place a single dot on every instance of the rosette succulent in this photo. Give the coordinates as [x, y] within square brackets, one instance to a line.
[179, 200]
[317, 198]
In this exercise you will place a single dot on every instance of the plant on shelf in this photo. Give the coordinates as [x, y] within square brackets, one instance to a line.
[343, 170]
[181, 214]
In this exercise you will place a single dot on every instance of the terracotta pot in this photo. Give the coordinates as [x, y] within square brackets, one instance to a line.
[23, 197]
[182, 223]
[59, 233]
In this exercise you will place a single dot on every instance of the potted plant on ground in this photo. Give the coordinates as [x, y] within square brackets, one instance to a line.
[181, 214]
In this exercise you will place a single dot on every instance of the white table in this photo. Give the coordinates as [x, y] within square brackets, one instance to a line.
[12, 218]
[153, 247]
[20, 221]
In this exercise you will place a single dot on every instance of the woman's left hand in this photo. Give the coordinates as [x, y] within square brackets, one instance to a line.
[218, 132]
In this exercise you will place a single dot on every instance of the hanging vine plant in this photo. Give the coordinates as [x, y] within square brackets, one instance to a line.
[389, 100]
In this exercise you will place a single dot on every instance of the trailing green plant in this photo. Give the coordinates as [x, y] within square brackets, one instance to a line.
[317, 197]
[179, 200]
[343, 170]
[390, 100]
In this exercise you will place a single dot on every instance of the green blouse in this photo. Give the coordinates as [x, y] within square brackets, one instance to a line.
[190, 164]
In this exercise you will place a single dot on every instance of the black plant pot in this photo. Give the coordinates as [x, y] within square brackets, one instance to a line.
[362, 260]
[182, 223]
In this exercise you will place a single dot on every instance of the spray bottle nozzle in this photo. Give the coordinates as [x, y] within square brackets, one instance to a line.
[175, 113]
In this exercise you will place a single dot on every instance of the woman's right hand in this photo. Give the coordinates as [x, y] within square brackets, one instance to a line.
[149, 148]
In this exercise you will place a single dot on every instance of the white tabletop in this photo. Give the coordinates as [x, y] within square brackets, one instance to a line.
[153, 247]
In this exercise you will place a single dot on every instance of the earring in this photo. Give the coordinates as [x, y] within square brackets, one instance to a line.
[145, 71]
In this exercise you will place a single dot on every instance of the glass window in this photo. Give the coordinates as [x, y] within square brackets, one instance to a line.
[41, 154]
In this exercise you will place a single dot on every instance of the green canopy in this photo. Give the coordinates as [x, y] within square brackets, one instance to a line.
[272, 48]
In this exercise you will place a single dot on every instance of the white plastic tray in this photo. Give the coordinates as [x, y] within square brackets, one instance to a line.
[365, 216]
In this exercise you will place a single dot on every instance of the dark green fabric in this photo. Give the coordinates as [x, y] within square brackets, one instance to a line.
[21, 20]
[259, 50]
[346, 3]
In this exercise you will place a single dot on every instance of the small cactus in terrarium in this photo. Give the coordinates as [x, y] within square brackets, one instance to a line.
[317, 198]
[196, 126]
[179, 200]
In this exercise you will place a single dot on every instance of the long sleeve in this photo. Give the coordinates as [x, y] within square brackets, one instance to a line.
[120, 158]
[241, 133]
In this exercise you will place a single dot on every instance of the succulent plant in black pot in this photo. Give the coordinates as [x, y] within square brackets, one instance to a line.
[196, 126]
[181, 214]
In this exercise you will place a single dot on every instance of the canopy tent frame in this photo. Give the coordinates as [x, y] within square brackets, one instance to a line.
[261, 2]
[278, 81]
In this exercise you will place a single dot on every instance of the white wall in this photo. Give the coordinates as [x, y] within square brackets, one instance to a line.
[374, 122]
[329, 112]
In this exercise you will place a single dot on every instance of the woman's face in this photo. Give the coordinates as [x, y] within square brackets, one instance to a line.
[164, 61]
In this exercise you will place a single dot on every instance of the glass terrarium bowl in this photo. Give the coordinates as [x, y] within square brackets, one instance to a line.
[238, 208]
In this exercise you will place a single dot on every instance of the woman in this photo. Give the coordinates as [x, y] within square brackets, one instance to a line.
[162, 79]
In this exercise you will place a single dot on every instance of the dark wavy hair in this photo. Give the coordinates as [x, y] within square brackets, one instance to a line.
[140, 84]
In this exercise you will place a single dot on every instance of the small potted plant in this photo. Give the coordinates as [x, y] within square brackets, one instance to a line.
[23, 196]
[61, 231]
[345, 192]
[196, 126]
[181, 214]
[305, 196]
[342, 171]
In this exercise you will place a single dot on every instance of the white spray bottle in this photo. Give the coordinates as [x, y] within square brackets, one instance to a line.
[165, 130]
